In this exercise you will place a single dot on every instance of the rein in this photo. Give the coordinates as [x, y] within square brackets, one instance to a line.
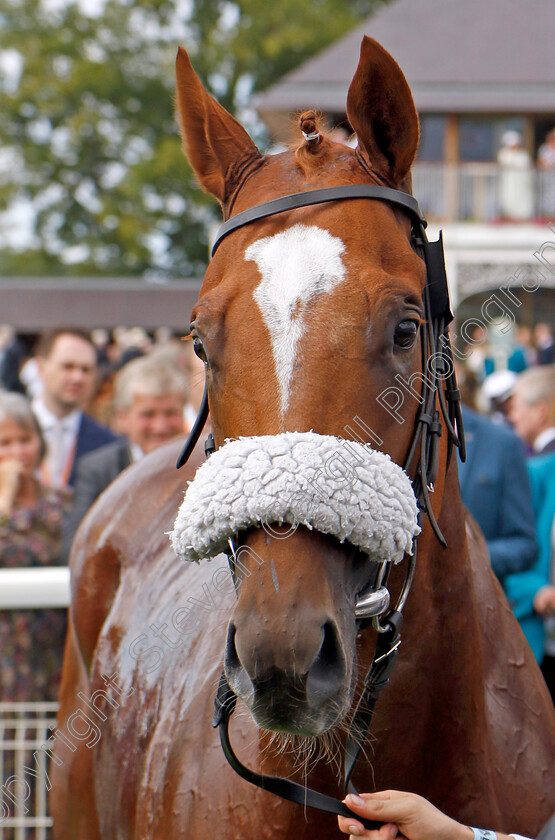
[374, 600]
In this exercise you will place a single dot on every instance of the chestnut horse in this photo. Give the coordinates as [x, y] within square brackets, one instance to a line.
[305, 318]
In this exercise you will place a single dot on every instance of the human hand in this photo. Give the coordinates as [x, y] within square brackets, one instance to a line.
[404, 815]
[544, 601]
[10, 476]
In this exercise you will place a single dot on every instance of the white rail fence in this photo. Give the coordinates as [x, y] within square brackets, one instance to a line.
[26, 727]
[24, 769]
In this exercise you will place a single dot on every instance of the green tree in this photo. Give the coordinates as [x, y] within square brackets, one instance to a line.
[90, 159]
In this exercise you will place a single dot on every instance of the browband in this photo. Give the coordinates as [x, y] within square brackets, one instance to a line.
[305, 199]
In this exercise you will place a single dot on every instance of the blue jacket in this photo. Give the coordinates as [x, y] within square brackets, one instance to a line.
[496, 490]
[521, 588]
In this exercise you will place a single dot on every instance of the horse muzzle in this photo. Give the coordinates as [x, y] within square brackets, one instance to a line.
[306, 696]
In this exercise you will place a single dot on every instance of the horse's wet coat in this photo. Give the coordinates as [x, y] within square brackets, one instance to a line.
[466, 720]
[296, 265]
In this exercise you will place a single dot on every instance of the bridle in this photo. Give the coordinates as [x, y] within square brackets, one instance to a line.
[373, 602]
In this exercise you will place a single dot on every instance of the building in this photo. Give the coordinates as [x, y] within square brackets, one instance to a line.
[476, 70]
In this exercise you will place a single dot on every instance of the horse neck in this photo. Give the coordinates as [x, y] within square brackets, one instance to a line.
[440, 571]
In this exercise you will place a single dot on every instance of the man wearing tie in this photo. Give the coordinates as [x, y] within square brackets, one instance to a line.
[67, 365]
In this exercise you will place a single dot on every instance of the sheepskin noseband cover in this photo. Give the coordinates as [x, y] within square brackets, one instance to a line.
[339, 487]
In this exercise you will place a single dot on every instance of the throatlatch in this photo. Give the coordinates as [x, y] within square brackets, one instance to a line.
[439, 387]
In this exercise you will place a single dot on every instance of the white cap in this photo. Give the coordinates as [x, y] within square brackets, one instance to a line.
[499, 385]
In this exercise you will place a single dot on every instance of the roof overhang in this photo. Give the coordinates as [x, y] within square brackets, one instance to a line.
[34, 304]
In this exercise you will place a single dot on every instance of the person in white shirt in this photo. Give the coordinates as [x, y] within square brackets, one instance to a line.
[67, 365]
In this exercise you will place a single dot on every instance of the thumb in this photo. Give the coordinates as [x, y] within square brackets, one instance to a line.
[387, 806]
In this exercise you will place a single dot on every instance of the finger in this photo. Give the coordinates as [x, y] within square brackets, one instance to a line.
[354, 829]
[348, 825]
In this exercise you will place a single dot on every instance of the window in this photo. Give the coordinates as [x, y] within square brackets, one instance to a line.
[432, 138]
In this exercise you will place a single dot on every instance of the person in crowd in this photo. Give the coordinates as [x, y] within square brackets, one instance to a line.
[495, 395]
[532, 408]
[546, 162]
[100, 337]
[496, 490]
[31, 514]
[529, 592]
[545, 344]
[540, 583]
[67, 364]
[180, 354]
[522, 354]
[135, 343]
[149, 396]
[163, 336]
[414, 818]
[12, 354]
[546, 152]
[480, 360]
[30, 378]
[515, 178]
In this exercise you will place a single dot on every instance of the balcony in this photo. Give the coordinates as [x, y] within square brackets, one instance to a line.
[472, 192]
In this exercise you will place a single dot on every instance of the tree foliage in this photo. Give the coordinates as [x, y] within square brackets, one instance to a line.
[91, 168]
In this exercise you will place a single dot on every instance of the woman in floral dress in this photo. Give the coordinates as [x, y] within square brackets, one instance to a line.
[31, 641]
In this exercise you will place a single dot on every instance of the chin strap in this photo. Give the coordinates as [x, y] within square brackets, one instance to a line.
[385, 657]
[376, 680]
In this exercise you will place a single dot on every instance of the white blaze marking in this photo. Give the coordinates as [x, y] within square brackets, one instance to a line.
[296, 265]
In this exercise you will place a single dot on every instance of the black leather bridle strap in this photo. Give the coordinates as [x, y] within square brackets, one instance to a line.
[306, 199]
[286, 789]
[377, 678]
[195, 432]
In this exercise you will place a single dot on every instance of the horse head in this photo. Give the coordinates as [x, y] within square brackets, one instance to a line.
[310, 325]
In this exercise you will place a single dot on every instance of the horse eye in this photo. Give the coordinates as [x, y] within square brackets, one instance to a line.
[405, 334]
[199, 350]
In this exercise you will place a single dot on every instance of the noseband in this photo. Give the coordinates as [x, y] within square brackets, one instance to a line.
[374, 600]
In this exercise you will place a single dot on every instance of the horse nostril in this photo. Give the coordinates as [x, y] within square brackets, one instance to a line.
[327, 673]
[236, 674]
[231, 660]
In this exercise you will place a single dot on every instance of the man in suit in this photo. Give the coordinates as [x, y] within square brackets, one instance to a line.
[545, 344]
[67, 366]
[149, 398]
[496, 490]
[532, 408]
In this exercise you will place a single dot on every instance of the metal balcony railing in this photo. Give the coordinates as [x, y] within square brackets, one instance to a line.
[473, 192]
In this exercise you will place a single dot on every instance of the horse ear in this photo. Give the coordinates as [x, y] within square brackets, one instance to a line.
[217, 146]
[381, 110]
